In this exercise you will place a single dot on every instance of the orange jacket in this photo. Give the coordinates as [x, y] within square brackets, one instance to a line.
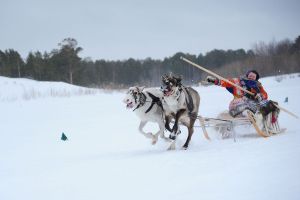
[237, 93]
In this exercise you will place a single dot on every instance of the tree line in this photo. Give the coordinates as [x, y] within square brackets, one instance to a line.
[64, 64]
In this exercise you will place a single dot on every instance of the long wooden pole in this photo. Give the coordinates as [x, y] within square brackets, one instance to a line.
[216, 75]
[233, 84]
[285, 110]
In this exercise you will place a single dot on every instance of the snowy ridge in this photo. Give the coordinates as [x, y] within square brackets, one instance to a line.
[12, 89]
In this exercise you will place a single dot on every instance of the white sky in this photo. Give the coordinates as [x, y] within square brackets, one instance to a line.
[120, 29]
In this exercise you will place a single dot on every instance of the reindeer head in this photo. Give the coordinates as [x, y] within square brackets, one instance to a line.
[170, 84]
[132, 98]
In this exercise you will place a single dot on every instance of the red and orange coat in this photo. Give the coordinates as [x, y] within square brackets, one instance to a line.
[237, 93]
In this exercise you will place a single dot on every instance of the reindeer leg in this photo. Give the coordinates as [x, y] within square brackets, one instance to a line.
[191, 131]
[167, 123]
[173, 145]
[161, 131]
[178, 115]
[147, 135]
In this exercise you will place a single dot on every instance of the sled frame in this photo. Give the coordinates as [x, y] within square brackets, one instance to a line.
[206, 122]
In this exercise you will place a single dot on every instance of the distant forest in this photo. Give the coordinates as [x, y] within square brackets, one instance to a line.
[64, 64]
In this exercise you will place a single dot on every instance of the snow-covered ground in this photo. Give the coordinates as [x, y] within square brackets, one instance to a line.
[106, 158]
[26, 89]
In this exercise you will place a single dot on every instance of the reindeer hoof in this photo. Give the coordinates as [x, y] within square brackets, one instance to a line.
[184, 148]
[154, 140]
[172, 137]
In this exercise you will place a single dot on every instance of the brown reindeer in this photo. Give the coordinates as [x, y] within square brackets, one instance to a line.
[179, 103]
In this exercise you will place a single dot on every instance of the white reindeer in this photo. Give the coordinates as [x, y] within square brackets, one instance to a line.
[146, 104]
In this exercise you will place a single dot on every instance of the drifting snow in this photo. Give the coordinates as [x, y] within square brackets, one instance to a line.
[106, 158]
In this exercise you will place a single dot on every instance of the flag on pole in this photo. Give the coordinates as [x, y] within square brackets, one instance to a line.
[63, 137]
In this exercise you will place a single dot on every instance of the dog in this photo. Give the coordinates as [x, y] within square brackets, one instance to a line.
[179, 103]
[146, 104]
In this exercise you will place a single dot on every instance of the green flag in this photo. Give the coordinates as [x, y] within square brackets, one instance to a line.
[63, 137]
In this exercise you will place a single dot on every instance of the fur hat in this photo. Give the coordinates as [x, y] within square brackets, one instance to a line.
[255, 72]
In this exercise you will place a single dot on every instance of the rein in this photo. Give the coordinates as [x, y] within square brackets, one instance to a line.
[155, 100]
[142, 101]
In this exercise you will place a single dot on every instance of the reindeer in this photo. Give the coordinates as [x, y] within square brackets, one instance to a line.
[179, 103]
[146, 104]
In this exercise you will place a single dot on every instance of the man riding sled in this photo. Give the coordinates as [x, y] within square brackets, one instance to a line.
[249, 96]
[242, 101]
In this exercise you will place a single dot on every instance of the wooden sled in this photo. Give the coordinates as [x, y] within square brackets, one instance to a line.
[227, 126]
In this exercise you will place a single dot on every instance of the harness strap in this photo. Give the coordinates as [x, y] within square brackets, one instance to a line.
[178, 93]
[136, 107]
[189, 100]
[155, 100]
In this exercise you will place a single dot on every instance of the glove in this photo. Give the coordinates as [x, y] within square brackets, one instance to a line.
[258, 97]
[211, 79]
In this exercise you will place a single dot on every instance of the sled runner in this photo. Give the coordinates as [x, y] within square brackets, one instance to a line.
[264, 126]
[257, 128]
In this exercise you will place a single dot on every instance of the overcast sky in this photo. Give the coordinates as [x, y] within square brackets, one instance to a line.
[120, 29]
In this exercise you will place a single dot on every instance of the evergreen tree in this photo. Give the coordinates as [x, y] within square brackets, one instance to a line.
[11, 63]
[34, 66]
[69, 52]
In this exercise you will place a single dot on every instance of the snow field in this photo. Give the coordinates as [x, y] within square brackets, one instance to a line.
[106, 157]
